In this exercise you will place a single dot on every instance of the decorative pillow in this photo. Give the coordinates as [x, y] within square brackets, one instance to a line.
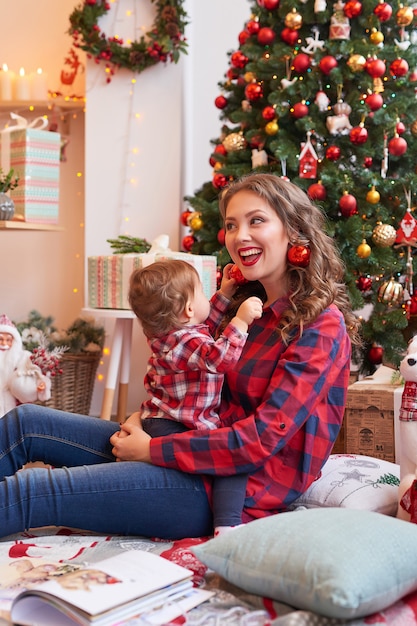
[354, 481]
[341, 563]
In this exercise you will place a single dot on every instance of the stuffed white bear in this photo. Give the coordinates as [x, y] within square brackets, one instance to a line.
[407, 496]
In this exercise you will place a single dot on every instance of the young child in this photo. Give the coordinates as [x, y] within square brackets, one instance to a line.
[187, 365]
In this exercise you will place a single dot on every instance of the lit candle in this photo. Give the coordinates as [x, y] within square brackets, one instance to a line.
[6, 83]
[38, 84]
[22, 86]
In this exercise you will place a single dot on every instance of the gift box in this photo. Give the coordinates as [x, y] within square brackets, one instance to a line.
[108, 276]
[34, 155]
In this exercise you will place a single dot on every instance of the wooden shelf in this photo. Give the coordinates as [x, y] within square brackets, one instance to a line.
[16, 225]
[49, 104]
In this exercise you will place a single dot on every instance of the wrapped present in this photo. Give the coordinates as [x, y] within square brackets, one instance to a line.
[34, 154]
[108, 276]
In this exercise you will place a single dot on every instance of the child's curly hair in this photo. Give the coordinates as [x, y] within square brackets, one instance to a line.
[158, 294]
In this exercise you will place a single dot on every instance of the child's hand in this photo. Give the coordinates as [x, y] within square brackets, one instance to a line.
[251, 309]
[229, 282]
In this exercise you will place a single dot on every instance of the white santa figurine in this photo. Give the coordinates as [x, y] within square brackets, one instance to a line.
[21, 380]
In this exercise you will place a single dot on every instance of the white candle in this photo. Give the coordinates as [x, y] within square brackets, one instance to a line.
[6, 83]
[22, 86]
[38, 84]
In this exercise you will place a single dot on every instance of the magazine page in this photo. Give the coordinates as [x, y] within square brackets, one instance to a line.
[118, 581]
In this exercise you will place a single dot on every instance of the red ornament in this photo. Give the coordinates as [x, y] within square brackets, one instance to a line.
[364, 283]
[368, 162]
[376, 354]
[299, 255]
[220, 102]
[375, 68]
[412, 308]
[269, 113]
[399, 67]
[348, 205]
[299, 110]
[219, 180]
[184, 217]
[327, 64]
[407, 231]
[352, 8]
[237, 275]
[253, 27]
[400, 128]
[397, 146]
[289, 36]
[383, 11]
[239, 60]
[188, 242]
[219, 276]
[221, 236]
[333, 153]
[317, 191]
[301, 62]
[270, 5]
[253, 92]
[219, 149]
[266, 36]
[358, 135]
[374, 101]
[243, 37]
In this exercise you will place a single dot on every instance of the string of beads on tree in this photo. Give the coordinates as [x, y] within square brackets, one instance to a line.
[163, 43]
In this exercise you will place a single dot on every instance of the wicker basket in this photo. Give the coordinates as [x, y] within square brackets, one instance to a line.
[72, 390]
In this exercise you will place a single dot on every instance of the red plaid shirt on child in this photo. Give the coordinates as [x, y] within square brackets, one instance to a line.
[282, 408]
[186, 371]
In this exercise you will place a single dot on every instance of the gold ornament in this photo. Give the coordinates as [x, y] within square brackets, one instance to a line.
[413, 128]
[356, 62]
[272, 128]
[405, 16]
[192, 216]
[384, 235]
[390, 292]
[249, 77]
[217, 166]
[373, 196]
[234, 142]
[293, 20]
[363, 250]
[376, 37]
[196, 223]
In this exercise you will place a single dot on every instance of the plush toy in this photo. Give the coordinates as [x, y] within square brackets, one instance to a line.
[407, 497]
[21, 380]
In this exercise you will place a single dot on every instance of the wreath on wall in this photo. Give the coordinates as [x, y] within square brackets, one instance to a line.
[163, 43]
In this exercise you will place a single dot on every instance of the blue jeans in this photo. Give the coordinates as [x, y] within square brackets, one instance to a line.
[88, 489]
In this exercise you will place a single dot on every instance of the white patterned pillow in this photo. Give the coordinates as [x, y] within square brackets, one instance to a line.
[354, 481]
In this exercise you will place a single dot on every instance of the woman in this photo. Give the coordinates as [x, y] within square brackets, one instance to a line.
[282, 404]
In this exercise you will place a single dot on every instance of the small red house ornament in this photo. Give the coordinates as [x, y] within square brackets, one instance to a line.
[308, 159]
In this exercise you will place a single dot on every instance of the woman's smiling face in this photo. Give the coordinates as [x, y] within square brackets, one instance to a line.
[257, 241]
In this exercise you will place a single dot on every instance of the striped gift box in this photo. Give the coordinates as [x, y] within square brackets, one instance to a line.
[108, 276]
[34, 154]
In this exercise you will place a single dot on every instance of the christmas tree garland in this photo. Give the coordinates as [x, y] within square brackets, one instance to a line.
[164, 42]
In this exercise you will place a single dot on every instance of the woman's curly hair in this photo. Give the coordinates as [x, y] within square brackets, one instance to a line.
[311, 288]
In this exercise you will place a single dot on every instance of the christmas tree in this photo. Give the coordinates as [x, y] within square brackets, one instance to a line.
[325, 94]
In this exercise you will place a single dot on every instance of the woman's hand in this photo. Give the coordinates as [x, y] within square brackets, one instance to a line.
[131, 443]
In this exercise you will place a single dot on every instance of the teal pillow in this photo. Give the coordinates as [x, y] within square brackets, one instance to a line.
[341, 563]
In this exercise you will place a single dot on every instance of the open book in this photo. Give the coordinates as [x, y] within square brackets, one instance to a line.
[113, 591]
